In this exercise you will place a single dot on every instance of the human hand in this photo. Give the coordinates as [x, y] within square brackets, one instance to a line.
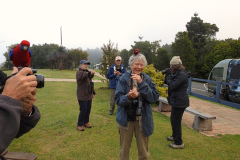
[93, 72]
[136, 77]
[133, 93]
[21, 86]
[115, 72]
[119, 73]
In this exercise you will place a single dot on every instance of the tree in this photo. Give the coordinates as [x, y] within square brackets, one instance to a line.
[8, 64]
[183, 47]
[224, 50]
[76, 55]
[145, 48]
[125, 57]
[199, 33]
[109, 54]
[157, 78]
[162, 59]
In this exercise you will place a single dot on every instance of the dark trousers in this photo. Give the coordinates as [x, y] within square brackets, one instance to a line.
[85, 109]
[176, 119]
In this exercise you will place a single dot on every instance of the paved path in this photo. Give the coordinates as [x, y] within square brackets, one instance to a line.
[227, 119]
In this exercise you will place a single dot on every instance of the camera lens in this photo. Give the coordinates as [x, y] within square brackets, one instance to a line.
[40, 80]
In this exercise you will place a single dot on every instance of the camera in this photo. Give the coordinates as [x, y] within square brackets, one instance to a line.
[118, 68]
[165, 71]
[39, 77]
[90, 88]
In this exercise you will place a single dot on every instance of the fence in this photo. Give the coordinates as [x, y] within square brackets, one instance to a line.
[217, 95]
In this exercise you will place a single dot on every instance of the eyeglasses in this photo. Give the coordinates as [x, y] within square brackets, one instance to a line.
[138, 64]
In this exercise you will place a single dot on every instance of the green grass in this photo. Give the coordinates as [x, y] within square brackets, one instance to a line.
[49, 73]
[55, 137]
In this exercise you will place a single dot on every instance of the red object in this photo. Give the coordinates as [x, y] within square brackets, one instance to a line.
[136, 51]
[21, 55]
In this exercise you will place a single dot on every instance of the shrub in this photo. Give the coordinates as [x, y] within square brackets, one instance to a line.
[158, 79]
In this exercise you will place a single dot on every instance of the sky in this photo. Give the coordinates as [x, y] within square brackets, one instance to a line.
[92, 23]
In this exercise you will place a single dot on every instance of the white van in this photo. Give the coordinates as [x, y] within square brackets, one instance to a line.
[227, 70]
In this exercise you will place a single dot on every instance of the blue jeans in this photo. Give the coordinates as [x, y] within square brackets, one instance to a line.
[85, 109]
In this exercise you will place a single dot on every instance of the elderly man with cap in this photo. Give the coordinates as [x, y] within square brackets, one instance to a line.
[177, 80]
[85, 94]
[114, 73]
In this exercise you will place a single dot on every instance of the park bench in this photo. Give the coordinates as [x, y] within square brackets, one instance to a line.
[18, 155]
[163, 105]
[202, 121]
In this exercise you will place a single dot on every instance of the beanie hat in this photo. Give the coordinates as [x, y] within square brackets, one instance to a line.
[175, 60]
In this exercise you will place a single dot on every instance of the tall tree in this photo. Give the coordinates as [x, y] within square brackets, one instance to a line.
[145, 48]
[109, 54]
[162, 59]
[183, 47]
[199, 33]
[124, 55]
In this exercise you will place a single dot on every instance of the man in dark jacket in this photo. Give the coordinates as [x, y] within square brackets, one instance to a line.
[18, 115]
[177, 80]
[114, 73]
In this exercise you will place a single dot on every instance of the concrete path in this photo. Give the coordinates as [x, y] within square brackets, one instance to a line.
[227, 119]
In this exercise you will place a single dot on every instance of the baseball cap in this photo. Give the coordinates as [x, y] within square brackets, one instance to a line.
[84, 62]
[118, 58]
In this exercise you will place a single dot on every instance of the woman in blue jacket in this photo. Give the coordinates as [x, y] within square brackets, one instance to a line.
[134, 94]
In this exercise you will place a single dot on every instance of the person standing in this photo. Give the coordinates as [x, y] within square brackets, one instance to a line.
[177, 80]
[114, 73]
[134, 94]
[18, 114]
[85, 94]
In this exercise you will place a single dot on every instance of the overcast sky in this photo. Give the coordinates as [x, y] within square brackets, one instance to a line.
[92, 23]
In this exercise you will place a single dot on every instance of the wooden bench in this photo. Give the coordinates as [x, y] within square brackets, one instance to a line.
[202, 121]
[18, 155]
[163, 105]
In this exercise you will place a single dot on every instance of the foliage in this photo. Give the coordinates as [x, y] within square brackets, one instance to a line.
[199, 34]
[145, 48]
[162, 59]
[76, 55]
[109, 54]
[124, 54]
[158, 79]
[223, 50]
[183, 47]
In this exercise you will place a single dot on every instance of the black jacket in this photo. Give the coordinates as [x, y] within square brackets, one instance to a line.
[177, 89]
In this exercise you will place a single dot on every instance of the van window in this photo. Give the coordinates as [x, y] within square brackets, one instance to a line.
[216, 73]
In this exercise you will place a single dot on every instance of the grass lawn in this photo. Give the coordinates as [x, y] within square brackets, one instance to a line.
[56, 138]
[53, 73]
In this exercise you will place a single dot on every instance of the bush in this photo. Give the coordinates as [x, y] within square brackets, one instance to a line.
[158, 79]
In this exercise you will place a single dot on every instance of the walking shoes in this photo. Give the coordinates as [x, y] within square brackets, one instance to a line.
[80, 128]
[87, 125]
[174, 146]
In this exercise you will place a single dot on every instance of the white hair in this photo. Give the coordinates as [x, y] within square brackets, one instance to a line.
[139, 57]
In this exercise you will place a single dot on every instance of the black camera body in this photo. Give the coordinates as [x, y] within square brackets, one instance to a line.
[165, 71]
[90, 88]
[136, 105]
[39, 77]
[119, 69]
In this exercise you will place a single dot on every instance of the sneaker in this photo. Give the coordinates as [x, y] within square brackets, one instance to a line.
[170, 138]
[80, 128]
[174, 146]
[87, 125]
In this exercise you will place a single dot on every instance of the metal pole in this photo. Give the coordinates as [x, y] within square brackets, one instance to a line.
[61, 34]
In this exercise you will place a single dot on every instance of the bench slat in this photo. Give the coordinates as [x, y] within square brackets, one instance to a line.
[163, 99]
[202, 115]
